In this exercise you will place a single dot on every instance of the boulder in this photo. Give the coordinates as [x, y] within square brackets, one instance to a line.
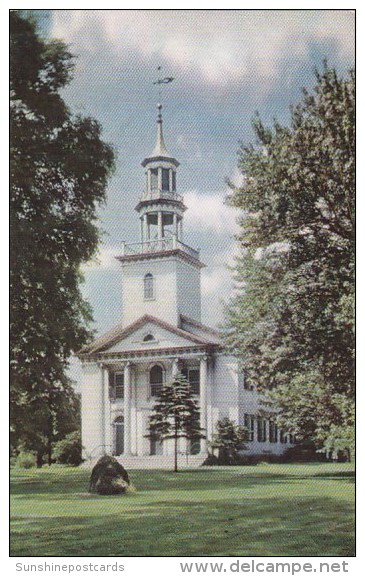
[108, 477]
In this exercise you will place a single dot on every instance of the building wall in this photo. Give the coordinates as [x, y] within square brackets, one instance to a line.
[176, 290]
[188, 290]
[164, 303]
[92, 420]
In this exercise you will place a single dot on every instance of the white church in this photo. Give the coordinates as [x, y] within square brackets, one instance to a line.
[160, 334]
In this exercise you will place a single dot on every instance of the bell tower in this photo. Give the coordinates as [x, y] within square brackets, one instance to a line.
[160, 207]
[161, 274]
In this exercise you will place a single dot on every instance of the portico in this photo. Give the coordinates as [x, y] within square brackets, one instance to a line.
[128, 386]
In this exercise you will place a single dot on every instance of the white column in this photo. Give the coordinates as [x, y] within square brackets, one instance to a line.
[175, 367]
[170, 179]
[175, 225]
[145, 228]
[149, 180]
[92, 410]
[159, 224]
[159, 176]
[127, 408]
[107, 424]
[203, 400]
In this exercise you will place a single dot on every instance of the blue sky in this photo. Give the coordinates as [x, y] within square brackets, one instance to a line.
[226, 65]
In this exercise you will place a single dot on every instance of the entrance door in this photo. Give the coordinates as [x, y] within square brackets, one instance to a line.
[156, 448]
[119, 435]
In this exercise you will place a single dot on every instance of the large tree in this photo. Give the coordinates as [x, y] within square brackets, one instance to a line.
[175, 415]
[292, 318]
[59, 172]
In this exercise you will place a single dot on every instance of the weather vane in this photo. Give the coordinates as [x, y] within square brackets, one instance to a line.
[161, 81]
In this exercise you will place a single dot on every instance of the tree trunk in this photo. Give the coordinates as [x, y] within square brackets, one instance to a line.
[175, 455]
[39, 459]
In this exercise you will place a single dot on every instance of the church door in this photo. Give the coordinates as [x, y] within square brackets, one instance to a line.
[119, 436]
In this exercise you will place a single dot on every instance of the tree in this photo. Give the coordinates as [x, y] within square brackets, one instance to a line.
[292, 318]
[229, 439]
[59, 171]
[175, 415]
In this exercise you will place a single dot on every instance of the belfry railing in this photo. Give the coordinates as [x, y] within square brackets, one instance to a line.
[159, 245]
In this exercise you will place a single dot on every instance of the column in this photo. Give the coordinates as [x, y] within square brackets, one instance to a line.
[127, 408]
[159, 224]
[175, 225]
[107, 423]
[170, 180]
[149, 181]
[145, 228]
[203, 400]
[159, 178]
[175, 367]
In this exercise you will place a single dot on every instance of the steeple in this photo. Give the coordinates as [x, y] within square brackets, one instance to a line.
[161, 274]
[160, 148]
[160, 152]
[160, 207]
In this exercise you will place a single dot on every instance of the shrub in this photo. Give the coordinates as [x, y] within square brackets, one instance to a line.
[26, 460]
[69, 450]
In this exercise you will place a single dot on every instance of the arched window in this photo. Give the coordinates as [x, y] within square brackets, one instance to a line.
[118, 435]
[148, 338]
[156, 379]
[148, 287]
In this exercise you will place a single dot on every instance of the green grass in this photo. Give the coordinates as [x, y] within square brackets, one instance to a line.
[265, 510]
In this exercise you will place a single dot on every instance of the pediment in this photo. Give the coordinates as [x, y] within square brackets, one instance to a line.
[145, 334]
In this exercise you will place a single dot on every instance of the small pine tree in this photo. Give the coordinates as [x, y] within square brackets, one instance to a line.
[229, 439]
[175, 414]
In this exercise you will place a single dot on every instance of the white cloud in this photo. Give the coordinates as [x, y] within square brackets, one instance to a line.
[222, 46]
[104, 260]
[207, 212]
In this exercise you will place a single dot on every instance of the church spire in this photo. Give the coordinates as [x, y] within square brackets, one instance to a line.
[160, 148]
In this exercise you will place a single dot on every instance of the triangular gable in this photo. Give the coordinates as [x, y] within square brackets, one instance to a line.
[132, 337]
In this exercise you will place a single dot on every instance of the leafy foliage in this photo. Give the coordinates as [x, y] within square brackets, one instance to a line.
[59, 171]
[292, 318]
[175, 414]
[69, 449]
[229, 439]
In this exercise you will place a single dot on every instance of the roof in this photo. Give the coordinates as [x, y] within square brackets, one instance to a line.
[118, 333]
[160, 152]
[202, 327]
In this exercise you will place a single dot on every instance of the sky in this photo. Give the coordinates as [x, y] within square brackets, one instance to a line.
[226, 64]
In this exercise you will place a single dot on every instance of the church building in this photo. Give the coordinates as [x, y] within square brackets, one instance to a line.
[160, 334]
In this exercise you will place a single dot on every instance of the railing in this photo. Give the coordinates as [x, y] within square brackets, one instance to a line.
[161, 245]
[157, 193]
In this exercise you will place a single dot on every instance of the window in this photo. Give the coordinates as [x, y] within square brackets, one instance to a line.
[154, 179]
[156, 447]
[261, 429]
[148, 287]
[148, 338]
[165, 179]
[249, 421]
[173, 181]
[118, 425]
[156, 380]
[283, 437]
[195, 446]
[193, 377]
[116, 385]
[273, 432]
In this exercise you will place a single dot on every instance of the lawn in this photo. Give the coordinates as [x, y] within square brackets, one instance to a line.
[264, 510]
